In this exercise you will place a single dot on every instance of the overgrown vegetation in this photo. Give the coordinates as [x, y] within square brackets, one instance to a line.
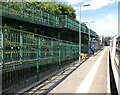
[52, 7]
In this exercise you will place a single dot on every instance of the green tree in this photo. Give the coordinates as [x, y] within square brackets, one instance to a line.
[56, 8]
[52, 6]
[67, 10]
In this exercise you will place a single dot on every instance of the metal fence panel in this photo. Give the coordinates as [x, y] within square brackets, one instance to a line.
[26, 55]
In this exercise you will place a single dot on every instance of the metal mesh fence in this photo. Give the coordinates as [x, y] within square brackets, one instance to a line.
[25, 56]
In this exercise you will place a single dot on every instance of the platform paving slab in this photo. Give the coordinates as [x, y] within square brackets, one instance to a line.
[75, 79]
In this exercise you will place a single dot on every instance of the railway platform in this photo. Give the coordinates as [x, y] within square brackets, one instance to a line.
[92, 76]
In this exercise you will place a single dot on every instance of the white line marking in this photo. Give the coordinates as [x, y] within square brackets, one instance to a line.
[85, 86]
[108, 75]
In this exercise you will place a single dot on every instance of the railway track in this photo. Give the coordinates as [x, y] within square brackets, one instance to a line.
[46, 86]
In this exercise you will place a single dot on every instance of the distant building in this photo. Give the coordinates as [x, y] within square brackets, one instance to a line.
[101, 40]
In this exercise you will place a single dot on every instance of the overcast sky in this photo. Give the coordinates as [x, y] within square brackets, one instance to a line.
[103, 12]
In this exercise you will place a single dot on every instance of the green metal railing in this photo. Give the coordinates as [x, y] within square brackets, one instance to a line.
[25, 55]
[70, 23]
[84, 48]
[26, 11]
[84, 29]
[92, 33]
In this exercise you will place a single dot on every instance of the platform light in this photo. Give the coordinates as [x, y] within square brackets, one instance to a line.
[80, 31]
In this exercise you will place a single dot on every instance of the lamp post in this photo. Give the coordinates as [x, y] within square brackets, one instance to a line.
[80, 32]
[89, 36]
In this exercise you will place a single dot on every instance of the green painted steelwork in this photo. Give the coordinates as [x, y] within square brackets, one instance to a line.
[84, 48]
[21, 47]
[27, 12]
[26, 55]
[84, 29]
[69, 23]
[60, 57]
[3, 46]
[38, 58]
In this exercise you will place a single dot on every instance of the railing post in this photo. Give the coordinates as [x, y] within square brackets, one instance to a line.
[8, 6]
[38, 57]
[41, 16]
[3, 47]
[66, 21]
[59, 60]
[71, 53]
[33, 13]
[48, 18]
[0, 59]
[21, 47]
[22, 9]
[51, 51]
[60, 53]
[55, 19]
